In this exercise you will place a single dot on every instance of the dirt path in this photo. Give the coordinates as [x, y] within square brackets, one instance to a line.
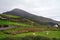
[5, 28]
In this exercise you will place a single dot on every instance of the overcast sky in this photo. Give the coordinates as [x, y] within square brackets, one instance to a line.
[46, 8]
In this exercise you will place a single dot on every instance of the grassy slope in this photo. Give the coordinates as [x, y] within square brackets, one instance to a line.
[55, 34]
[8, 22]
[10, 16]
[52, 34]
[24, 23]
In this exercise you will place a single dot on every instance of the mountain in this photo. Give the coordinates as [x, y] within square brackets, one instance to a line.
[35, 18]
[19, 21]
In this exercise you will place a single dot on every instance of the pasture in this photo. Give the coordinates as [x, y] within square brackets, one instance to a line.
[51, 34]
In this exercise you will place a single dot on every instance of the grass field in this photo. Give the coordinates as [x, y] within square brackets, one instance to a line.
[7, 22]
[26, 24]
[51, 34]
[10, 16]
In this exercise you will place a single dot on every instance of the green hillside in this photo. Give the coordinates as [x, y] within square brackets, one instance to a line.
[20, 22]
[53, 35]
[22, 27]
[13, 20]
